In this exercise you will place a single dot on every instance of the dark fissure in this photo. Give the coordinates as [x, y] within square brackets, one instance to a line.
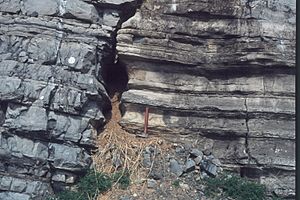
[115, 77]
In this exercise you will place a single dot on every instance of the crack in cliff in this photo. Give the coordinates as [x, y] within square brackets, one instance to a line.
[248, 152]
[247, 133]
[114, 72]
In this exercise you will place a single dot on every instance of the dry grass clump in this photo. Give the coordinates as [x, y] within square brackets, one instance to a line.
[120, 151]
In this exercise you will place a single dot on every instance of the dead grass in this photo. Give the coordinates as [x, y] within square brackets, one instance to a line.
[115, 142]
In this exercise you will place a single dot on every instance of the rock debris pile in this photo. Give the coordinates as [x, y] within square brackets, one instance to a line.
[194, 159]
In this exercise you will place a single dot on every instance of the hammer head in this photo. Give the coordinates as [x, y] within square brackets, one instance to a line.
[143, 135]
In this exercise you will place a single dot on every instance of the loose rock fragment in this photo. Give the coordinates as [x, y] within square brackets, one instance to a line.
[189, 165]
[175, 167]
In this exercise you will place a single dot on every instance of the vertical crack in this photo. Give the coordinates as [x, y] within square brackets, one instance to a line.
[247, 133]
[250, 157]
[61, 35]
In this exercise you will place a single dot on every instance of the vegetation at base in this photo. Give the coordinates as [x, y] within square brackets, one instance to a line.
[235, 187]
[93, 184]
[275, 197]
[122, 178]
[176, 183]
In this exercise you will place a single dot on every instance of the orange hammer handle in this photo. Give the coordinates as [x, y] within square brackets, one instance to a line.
[146, 118]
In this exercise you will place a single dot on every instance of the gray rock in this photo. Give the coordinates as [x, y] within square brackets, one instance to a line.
[125, 198]
[147, 159]
[151, 183]
[18, 185]
[71, 179]
[156, 173]
[207, 152]
[176, 168]
[196, 153]
[184, 186]
[273, 151]
[118, 2]
[154, 150]
[209, 167]
[157, 170]
[210, 157]
[179, 150]
[189, 165]
[26, 119]
[14, 196]
[59, 177]
[80, 10]
[23, 57]
[17, 146]
[204, 175]
[11, 6]
[198, 159]
[36, 7]
[5, 183]
[67, 127]
[111, 18]
[68, 158]
[216, 162]
[89, 137]
[43, 50]
[116, 160]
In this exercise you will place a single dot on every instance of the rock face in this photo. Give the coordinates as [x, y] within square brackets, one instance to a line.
[219, 73]
[52, 95]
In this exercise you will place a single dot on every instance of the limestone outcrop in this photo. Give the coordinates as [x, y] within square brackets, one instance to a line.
[52, 94]
[218, 73]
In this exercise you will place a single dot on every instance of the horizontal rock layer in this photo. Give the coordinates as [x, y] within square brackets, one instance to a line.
[220, 74]
[52, 94]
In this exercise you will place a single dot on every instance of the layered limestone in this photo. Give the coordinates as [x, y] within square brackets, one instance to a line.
[220, 74]
[52, 94]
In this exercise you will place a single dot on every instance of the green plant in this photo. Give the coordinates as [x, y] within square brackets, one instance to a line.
[235, 187]
[93, 184]
[70, 195]
[275, 197]
[122, 178]
[176, 183]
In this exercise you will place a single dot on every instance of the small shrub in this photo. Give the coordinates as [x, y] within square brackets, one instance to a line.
[176, 184]
[70, 195]
[275, 197]
[123, 178]
[235, 187]
[93, 184]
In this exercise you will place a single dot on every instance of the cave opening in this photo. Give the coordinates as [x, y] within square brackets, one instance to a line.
[116, 78]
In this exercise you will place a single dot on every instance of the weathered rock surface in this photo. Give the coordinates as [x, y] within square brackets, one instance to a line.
[221, 73]
[218, 73]
[52, 94]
